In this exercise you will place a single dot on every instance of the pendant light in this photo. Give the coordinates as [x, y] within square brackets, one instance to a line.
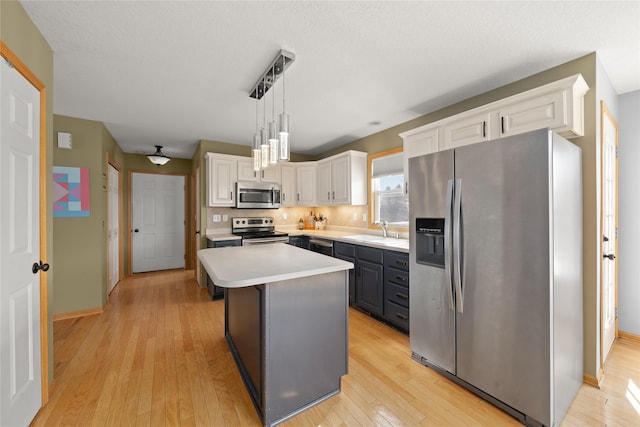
[255, 151]
[264, 140]
[273, 130]
[158, 158]
[273, 146]
[284, 125]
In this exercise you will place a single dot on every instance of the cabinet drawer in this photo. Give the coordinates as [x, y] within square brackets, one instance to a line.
[344, 250]
[397, 260]
[396, 294]
[396, 276]
[370, 254]
[396, 314]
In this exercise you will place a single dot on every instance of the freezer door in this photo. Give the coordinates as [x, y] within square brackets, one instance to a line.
[503, 318]
[432, 319]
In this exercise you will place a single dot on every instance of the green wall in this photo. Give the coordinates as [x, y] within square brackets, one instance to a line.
[24, 39]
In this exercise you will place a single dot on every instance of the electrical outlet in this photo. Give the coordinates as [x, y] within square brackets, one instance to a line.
[216, 218]
[355, 216]
[225, 217]
[364, 217]
[284, 216]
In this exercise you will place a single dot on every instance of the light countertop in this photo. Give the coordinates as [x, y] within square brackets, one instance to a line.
[353, 236]
[241, 266]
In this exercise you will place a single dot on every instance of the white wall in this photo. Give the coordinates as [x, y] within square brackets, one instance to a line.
[629, 213]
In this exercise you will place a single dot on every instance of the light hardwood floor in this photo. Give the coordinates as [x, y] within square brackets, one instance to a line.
[157, 356]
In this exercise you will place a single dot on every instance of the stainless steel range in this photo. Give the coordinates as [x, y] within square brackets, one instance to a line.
[257, 230]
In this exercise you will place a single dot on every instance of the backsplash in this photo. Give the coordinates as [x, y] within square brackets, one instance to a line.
[345, 216]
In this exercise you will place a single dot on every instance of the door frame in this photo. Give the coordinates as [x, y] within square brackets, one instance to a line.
[22, 68]
[112, 162]
[605, 114]
[130, 214]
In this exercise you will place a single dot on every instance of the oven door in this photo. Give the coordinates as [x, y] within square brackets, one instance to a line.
[265, 240]
[253, 195]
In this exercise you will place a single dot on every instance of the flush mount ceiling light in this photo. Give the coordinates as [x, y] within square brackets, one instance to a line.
[158, 158]
[274, 145]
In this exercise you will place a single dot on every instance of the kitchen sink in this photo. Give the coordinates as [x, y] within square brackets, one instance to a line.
[386, 241]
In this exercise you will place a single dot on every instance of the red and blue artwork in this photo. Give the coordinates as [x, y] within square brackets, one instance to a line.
[70, 192]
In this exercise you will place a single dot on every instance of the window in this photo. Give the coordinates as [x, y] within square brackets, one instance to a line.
[388, 201]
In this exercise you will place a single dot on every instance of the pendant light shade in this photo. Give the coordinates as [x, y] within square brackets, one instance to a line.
[284, 137]
[158, 158]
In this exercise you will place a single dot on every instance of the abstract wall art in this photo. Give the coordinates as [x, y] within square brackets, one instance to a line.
[70, 192]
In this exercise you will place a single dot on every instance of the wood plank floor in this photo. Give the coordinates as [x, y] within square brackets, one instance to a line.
[157, 356]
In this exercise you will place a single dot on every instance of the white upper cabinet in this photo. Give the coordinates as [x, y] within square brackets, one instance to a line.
[222, 174]
[306, 183]
[342, 179]
[289, 188]
[467, 130]
[246, 172]
[418, 142]
[558, 106]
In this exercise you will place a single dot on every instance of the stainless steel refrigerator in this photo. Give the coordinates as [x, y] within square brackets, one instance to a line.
[496, 270]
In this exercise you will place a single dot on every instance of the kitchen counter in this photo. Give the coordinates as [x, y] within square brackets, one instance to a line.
[241, 266]
[375, 241]
[286, 323]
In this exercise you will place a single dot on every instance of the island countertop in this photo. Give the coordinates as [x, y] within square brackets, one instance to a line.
[242, 266]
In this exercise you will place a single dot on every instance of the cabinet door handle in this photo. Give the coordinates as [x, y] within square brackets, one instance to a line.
[502, 124]
[401, 262]
[484, 129]
[402, 296]
[333, 195]
[284, 197]
[401, 278]
[254, 174]
[231, 192]
[262, 174]
[298, 196]
[328, 195]
[401, 316]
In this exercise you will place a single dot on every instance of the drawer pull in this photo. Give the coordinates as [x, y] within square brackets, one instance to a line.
[401, 316]
[401, 278]
[401, 262]
[403, 296]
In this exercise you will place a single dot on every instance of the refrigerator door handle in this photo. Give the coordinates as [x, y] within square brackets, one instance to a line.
[447, 243]
[457, 267]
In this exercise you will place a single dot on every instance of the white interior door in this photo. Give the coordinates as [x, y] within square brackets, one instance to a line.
[113, 233]
[158, 222]
[609, 231]
[20, 369]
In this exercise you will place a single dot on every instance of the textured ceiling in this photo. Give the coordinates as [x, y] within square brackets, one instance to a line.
[174, 72]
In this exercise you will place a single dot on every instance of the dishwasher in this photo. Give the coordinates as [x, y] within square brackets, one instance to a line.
[322, 246]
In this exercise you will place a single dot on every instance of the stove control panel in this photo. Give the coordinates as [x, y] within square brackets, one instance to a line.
[252, 222]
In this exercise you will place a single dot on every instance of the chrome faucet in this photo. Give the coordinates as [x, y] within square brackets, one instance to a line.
[383, 224]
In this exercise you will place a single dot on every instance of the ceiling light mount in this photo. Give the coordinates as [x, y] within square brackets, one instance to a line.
[272, 73]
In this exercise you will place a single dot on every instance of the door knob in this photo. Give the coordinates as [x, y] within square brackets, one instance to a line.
[605, 239]
[610, 256]
[198, 232]
[40, 266]
[136, 230]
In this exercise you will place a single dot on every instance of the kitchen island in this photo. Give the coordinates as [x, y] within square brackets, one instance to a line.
[286, 323]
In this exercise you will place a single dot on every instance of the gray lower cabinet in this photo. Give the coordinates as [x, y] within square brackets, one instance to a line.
[370, 279]
[216, 292]
[347, 252]
[379, 283]
[299, 241]
[396, 288]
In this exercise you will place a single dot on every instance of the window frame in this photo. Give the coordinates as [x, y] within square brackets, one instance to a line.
[372, 195]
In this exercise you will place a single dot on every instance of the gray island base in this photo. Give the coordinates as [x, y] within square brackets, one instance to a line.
[287, 327]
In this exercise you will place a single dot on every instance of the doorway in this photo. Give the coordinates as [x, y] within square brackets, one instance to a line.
[158, 222]
[609, 226]
[113, 230]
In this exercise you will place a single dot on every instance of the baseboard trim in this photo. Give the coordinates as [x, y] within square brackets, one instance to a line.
[74, 314]
[593, 381]
[629, 336]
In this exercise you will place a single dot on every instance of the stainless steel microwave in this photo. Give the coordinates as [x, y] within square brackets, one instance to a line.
[257, 195]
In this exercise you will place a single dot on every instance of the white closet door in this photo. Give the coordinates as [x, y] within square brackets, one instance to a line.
[158, 222]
